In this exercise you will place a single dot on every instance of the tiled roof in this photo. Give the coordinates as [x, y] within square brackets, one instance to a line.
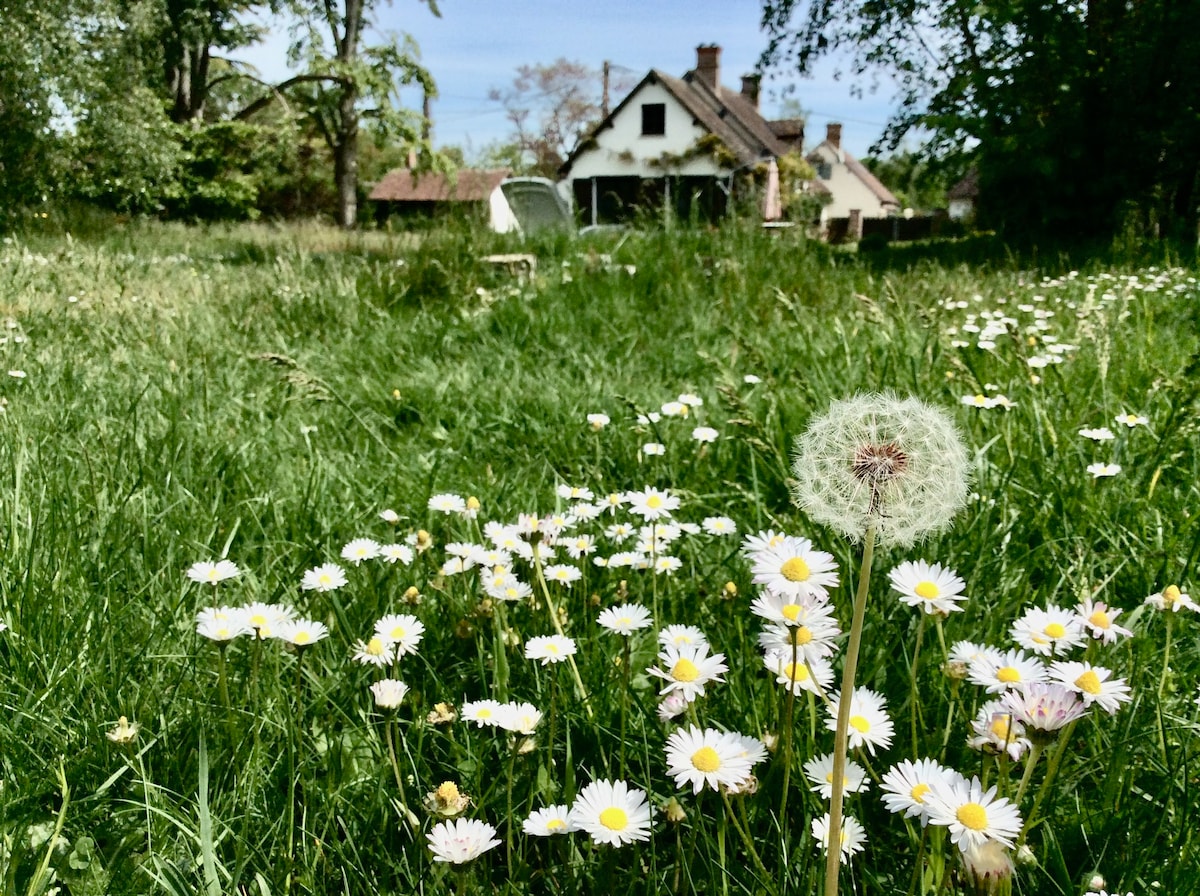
[467, 185]
[967, 188]
[859, 170]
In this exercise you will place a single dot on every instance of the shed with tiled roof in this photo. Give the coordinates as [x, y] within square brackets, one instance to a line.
[406, 191]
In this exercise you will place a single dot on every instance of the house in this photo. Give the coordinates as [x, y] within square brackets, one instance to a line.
[963, 197]
[687, 143]
[855, 192]
[404, 191]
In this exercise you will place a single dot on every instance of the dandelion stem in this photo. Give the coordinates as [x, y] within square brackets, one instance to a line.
[833, 846]
[913, 704]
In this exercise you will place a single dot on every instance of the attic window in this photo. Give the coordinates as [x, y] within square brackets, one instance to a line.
[824, 170]
[654, 119]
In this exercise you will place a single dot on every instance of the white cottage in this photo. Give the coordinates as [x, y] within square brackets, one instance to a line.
[855, 192]
[678, 143]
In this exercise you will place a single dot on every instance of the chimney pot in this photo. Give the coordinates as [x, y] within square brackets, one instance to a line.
[833, 134]
[750, 88]
[708, 64]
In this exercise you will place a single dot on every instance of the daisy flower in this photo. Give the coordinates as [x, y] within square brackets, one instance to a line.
[761, 541]
[1131, 420]
[1049, 631]
[388, 692]
[688, 669]
[598, 421]
[667, 565]
[549, 648]
[931, 587]
[973, 815]
[549, 821]
[396, 553]
[870, 726]
[624, 619]
[1000, 671]
[1171, 598]
[401, 631]
[327, 577]
[302, 632]
[996, 732]
[811, 635]
[812, 674]
[819, 771]
[221, 624]
[682, 636]
[705, 434]
[853, 835]
[672, 706]
[360, 549]
[461, 840]
[580, 546]
[907, 785]
[698, 757]
[208, 572]
[511, 590]
[966, 652]
[751, 379]
[1044, 707]
[691, 400]
[484, 713]
[374, 652]
[447, 503]
[719, 525]
[521, 718]
[389, 516]
[674, 409]
[563, 574]
[1099, 471]
[651, 503]
[1094, 683]
[654, 449]
[1100, 620]
[612, 812]
[1100, 434]
[265, 618]
[794, 569]
[574, 492]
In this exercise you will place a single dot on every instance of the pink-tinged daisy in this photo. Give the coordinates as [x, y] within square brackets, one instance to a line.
[973, 815]
[1002, 671]
[1172, 599]
[1052, 631]
[651, 503]
[326, 577]
[688, 669]
[1100, 620]
[388, 692]
[794, 569]
[360, 549]
[208, 572]
[612, 812]
[996, 732]
[907, 785]
[805, 673]
[549, 649]
[402, 631]
[625, 619]
[932, 587]
[870, 726]
[853, 836]
[697, 758]
[549, 822]
[1094, 683]
[461, 840]
[1044, 707]
[819, 771]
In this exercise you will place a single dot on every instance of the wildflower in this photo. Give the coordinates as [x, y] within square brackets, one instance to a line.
[301, 633]
[853, 835]
[931, 587]
[401, 631]
[870, 726]
[447, 801]
[875, 461]
[974, 816]
[549, 648]
[907, 785]
[388, 692]
[441, 714]
[751, 379]
[612, 812]
[461, 840]
[1049, 631]
[811, 634]
[719, 525]
[988, 869]
[447, 503]
[1094, 683]
[689, 669]
[549, 821]
[521, 718]
[819, 771]
[654, 449]
[1131, 420]
[667, 565]
[374, 652]
[698, 757]
[598, 421]
[1100, 620]
[812, 674]
[998, 672]
[1044, 707]
[124, 732]
[672, 705]
[210, 573]
[705, 434]
[691, 400]
[996, 732]
[389, 516]
[624, 619]
[977, 401]
[753, 544]
[682, 636]
[265, 619]
[484, 713]
[1100, 434]
[651, 503]
[222, 624]
[1171, 598]
[327, 577]
[360, 549]
[674, 409]
[1099, 471]
[580, 546]
[793, 568]
[396, 553]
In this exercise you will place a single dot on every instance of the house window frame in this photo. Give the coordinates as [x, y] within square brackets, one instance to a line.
[648, 122]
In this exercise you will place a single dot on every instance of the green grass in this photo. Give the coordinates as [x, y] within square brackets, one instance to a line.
[263, 394]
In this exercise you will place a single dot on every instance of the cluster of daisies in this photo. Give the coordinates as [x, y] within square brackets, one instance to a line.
[684, 407]
[258, 620]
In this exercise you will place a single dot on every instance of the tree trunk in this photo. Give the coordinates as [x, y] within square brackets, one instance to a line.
[345, 158]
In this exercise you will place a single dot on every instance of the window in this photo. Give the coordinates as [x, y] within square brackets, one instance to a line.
[654, 119]
[824, 170]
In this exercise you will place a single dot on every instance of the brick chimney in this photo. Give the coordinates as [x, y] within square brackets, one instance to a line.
[750, 87]
[708, 64]
[833, 134]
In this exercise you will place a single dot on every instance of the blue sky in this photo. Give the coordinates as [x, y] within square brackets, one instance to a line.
[477, 45]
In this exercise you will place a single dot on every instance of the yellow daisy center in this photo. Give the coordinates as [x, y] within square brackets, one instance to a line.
[212, 575]
[795, 569]
[654, 502]
[1008, 675]
[791, 612]
[860, 724]
[1055, 630]
[555, 823]
[447, 791]
[222, 632]
[484, 713]
[918, 793]
[301, 638]
[614, 819]
[324, 578]
[973, 816]
[1089, 682]
[398, 632]
[796, 671]
[927, 590]
[685, 670]
[801, 635]
[552, 648]
[1100, 619]
[1000, 727]
[258, 620]
[706, 759]
[1171, 594]
[374, 647]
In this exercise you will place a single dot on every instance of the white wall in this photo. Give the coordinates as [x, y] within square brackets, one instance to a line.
[848, 191]
[608, 158]
[500, 214]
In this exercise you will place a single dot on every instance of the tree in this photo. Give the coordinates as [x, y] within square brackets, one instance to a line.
[1079, 116]
[552, 107]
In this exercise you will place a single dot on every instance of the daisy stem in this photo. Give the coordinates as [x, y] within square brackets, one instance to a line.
[552, 724]
[833, 847]
[1035, 753]
[748, 843]
[1162, 686]
[391, 745]
[789, 710]
[1056, 758]
[508, 827]
[912, 882]
[625, 673]
[222, 681]
[914, 705]
[583, 695]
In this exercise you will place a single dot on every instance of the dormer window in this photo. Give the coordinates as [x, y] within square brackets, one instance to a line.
[654, 119]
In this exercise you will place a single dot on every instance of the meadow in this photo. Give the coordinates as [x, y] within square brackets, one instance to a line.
[420, 469]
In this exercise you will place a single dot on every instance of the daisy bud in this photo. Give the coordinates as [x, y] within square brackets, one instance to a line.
[730, 591]
[674, 811]
[1096, 882]
[988, 870]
